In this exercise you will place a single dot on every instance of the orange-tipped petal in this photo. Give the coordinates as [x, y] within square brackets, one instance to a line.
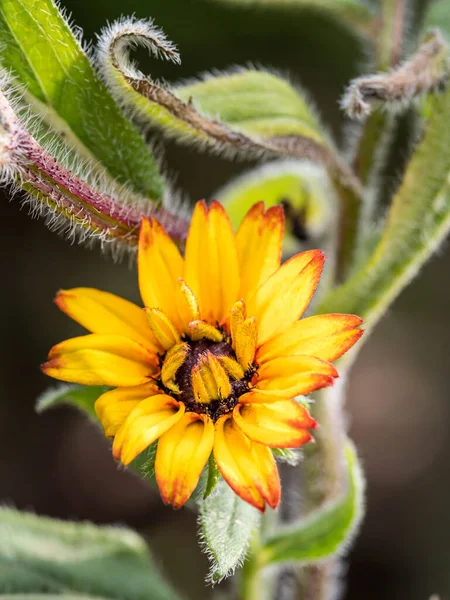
[173, 360]
[164, 330]
[102, 312]
[160, 265]
[145, 424]
[181, 456]
[259, 242]
[211, 266]
[248, 467]
[294, 375]
[284, 297]
[282, 424]
[98, 359]
[113, 407]
[324, 336]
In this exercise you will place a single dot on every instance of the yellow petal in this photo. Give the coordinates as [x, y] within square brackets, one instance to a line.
[294, 375]
[188, 308]
[98, 359]
[283, 298]
[172, 362]
[200, 329]
[164, 330]
[211, 266]
[282, 424]
[248, 467]
[102, 312]
[113, 407]
[232, 367]
[181, 456]
[255, 396]
[259, 242]
[146, 422]
[160, 265]
[200, 390]
[238, 314]
[246, 342]
[210, 380]
[220, 375]
[194, 256]
[324, 336]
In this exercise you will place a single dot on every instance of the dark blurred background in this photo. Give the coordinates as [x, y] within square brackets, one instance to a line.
[59, 465]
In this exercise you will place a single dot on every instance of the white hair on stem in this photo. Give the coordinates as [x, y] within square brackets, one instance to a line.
[74, 197]
[425, 71]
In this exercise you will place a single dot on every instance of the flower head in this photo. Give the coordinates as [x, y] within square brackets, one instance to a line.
[215, 360]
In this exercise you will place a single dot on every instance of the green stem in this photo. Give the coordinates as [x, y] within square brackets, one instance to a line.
[377, 129]
[350, 207]
[250, 578]
[325, 480]
[390, 39]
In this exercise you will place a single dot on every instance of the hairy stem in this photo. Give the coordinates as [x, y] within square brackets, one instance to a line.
[66, 195]
[376, 130]
[325, 480]
[250, 582]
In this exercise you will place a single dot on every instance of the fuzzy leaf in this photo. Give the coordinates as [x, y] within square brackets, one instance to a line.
[227, 524]
[81, 396]
[144, 464]
[327, 531]
[42, 555]
[301, 187]
[256, 103]
[244, 111]
[287, 455]
[351, 12]
[213, 477]
[39, 48]
[417, 223]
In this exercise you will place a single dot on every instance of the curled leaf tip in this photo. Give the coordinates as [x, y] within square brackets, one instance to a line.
[425, 71]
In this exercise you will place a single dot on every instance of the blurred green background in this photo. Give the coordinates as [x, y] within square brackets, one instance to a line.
[58, 464]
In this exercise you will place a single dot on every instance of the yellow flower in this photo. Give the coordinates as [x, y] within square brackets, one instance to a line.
[213, 362]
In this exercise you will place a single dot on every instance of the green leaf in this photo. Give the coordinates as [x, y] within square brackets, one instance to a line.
[213, 477]
[243, 111]
[42, 555]
[438, 16]
[227, 524]
[81, 396]
[417, 223]
[257, 103]
[301, 187]
[327, 531]
[39, 48]
[144, 464]
[287, 455]
[351, 12]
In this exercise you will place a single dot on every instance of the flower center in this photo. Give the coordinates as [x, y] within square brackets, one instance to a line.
[205, 375]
